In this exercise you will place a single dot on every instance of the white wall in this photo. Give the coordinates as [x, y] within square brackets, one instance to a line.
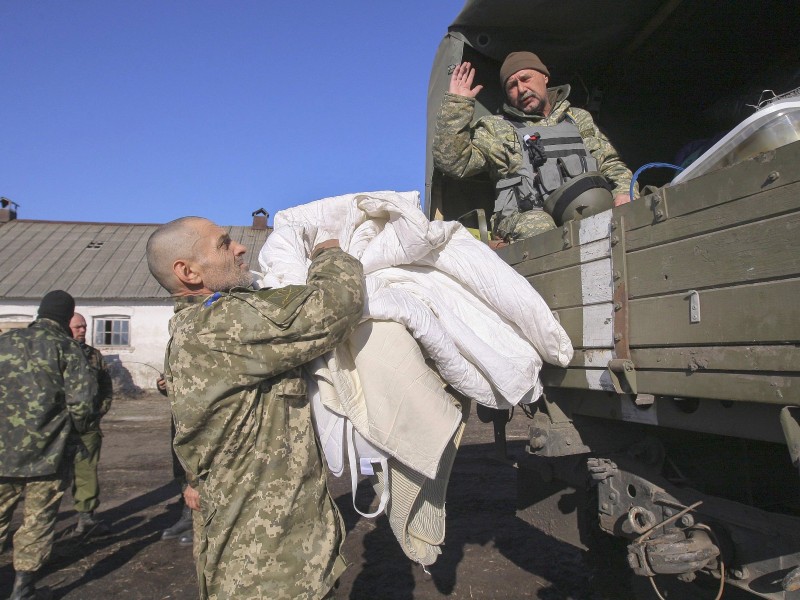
[144, 358]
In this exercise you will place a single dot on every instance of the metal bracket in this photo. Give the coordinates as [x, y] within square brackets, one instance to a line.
[658, 204]
[553, 433]
[623, 375]
[568, 235]
[694, 306]
[619, 276]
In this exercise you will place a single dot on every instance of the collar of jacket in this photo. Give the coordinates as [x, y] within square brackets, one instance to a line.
[182, 302]
[50, 325]
[558, 96]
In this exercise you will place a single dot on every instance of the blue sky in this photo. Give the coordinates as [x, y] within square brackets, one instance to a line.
[148, 110]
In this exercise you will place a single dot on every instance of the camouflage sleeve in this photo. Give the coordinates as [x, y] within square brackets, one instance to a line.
[270, 331]
[608, 160]
[80, 387]
[105, 387]
[191, 480]
[462, 150]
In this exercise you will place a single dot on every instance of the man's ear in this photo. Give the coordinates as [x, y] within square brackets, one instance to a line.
[186, 274]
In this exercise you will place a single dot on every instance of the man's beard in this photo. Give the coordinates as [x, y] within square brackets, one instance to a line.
[222, 280]
[533, 109]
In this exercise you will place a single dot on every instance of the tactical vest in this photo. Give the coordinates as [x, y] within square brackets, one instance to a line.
[551, 156]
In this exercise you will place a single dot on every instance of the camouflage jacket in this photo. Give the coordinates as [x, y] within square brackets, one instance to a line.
[46, 392]
[491, 144]
[243, 426]
[105, 388]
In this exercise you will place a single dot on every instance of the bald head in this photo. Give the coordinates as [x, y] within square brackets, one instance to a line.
[78, 326]
[169, 243]
[192, 256]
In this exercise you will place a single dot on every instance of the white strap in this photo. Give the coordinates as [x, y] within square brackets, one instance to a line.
[351, 456]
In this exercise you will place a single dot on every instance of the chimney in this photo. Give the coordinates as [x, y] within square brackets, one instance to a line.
[260, 218]
[8, 210]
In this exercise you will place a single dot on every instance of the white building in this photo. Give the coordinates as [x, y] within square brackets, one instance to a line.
[103, 266]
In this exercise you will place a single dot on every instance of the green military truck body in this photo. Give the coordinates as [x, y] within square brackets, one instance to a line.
[675, 427]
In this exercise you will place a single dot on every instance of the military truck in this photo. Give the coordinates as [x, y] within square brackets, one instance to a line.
[676, 428]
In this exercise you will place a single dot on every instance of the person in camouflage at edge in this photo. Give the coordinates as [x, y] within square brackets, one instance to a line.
[46, 394]
[243, 421]
[463, 149]
[85, 485]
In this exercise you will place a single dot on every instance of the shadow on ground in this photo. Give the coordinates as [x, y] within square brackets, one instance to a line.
[131, 532]
[488, 553]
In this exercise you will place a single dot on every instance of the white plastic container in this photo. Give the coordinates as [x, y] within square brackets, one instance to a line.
[771, 127]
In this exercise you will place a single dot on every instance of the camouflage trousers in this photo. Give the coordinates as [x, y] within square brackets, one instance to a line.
[33, 541]
[85, 486]
[522, 225]
[197, 532]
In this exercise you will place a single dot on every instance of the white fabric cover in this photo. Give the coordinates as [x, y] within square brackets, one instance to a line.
[406, 411]
[380, 381]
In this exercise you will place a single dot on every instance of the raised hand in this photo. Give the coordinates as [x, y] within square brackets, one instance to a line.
[461, 81]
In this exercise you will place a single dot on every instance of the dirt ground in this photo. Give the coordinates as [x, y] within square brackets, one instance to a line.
[489, 552]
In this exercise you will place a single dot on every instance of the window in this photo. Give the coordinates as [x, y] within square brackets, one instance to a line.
[9, 322]
[111, 331]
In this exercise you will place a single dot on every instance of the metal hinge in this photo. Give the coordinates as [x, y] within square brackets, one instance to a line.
[623, 375]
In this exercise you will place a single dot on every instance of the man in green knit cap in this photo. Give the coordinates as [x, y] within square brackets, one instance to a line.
[532, 149]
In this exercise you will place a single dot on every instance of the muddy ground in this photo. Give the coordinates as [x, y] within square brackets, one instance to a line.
[489, 552]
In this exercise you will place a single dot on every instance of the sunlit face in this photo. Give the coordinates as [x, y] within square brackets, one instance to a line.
[78, 326]
[220, 259]
[527, 91]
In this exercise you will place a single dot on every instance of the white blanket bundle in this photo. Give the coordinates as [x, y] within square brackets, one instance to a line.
[484, 326]
[375, 398]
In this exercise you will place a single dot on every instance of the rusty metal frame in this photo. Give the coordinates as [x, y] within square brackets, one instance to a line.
[620, 289]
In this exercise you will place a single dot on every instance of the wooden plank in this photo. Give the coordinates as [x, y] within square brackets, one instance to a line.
[782, 359]
[748, 387]
[559, 289]
[589, 326]
[594, 249]
[759, 206]
[715, 189]
[737, 181]
[763, 312]
[736, 386]
[549, 263]
[718, 187]
[588, 283]
[752, 252]
[571, 320]
[540, 245]
[746, 420]
[770, 359]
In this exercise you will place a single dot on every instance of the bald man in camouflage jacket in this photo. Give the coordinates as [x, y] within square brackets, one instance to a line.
[46, 399]
[243, 421]
[492, 144]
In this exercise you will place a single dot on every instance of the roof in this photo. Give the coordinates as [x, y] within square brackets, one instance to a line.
[98, 261]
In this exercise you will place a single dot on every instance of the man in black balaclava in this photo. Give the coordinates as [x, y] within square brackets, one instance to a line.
[46, 393]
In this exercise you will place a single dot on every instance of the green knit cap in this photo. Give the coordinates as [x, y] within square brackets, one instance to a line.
[516, 61]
